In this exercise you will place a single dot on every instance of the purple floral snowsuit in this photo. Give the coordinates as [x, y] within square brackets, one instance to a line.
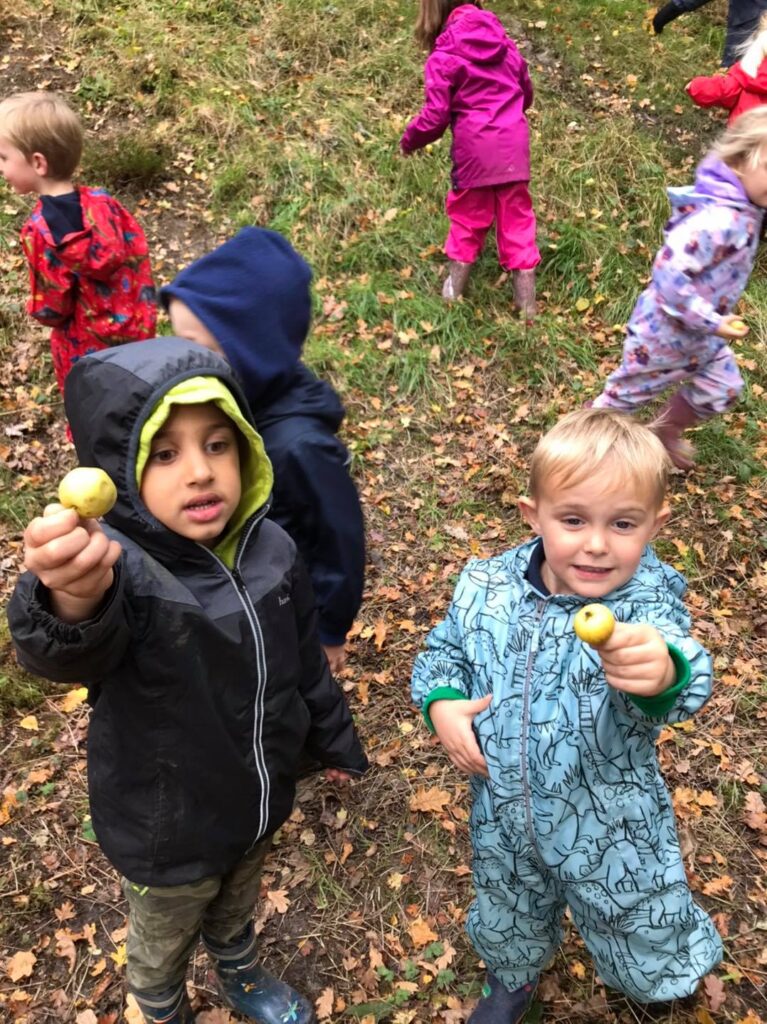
[697, 278]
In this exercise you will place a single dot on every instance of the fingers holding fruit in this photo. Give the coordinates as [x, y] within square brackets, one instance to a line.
[70, 554]
[732, 327]
[635, 659]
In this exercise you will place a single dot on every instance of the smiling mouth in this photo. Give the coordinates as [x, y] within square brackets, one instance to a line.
[593, 570]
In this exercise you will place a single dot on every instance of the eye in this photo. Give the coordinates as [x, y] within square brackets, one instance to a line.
[572, 521]
[624, 525]
[163, 455]
[218, 445]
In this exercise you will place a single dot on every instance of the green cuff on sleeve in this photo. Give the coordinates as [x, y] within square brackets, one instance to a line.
[662, 703]
[441, 693]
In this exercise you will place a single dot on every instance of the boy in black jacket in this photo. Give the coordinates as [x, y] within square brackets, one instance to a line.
[742, 19]
[191, 619]
[249, 300]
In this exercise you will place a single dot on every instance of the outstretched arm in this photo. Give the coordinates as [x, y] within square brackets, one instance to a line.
[434, 117]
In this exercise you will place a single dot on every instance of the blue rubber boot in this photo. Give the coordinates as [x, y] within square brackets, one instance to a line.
[171, 1006]
[499, 1006]
[253, 991]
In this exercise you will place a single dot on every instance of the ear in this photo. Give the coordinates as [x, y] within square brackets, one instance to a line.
[39, 164]
[529, 511]
[662, 517]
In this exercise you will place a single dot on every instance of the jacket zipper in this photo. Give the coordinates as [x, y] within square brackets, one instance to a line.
[533, 650]
[250, 612]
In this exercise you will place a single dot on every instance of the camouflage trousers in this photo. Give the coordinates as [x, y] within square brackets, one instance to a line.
[165, 922]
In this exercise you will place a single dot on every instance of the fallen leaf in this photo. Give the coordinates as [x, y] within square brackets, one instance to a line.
[20, 965]
[429, 800]
[717, 886]
[324, 1004]
[29, 722]
[715, 993]
[86, 1017]
[120, 955]
[73, 699]
[278, 899]
[421, 934]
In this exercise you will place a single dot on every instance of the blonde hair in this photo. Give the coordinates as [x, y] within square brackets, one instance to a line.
[753, 51]
[432, 15]
[43, 122]
[741, 144]
[590, 443]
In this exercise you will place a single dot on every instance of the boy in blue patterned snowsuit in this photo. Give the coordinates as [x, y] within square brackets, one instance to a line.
[569, 807]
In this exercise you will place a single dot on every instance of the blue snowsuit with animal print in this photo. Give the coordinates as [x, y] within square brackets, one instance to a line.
[574, 812]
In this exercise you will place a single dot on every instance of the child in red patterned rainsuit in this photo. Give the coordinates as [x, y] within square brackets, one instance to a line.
[88, 260]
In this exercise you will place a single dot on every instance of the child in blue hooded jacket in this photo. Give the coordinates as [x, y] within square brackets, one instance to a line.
[249, 300]
[569, 807]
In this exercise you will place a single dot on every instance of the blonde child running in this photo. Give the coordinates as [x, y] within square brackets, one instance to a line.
[89, 269]
[678, 332]
[478, 85]
[745, 84]
[569, 807]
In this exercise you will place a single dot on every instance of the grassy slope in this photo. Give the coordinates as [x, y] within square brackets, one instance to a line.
[223, 113]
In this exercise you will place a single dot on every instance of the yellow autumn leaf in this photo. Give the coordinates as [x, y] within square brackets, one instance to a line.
[73, 699]
[30, 722]
[20, 965]
[582, 304]
[120, 955]
[278, 899]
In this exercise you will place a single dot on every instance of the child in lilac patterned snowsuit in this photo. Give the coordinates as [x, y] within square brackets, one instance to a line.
[678, 331]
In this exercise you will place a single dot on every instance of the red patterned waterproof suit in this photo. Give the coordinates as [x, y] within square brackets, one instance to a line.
[95, 287]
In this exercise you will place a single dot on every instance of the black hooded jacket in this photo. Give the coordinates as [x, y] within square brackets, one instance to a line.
[207, 681]
[252, 294]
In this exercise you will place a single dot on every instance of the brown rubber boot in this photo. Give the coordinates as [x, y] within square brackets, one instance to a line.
[523, 283]
[455, 282]
[676, 416]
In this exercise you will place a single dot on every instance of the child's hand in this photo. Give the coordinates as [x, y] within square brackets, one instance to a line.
[636, 660]
[337, 775]
[732, 327]
[336, 657]
[452, 721]
[73, 558]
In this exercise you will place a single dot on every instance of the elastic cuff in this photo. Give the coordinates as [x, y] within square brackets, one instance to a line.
[662, 703]
[441, 693]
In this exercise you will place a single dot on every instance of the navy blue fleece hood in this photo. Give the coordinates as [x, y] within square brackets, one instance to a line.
[252, 294]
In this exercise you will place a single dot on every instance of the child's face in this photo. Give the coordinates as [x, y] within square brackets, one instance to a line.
[754, 179]
[187, 324]
[17, 170]
[191, 481]
[592, 539]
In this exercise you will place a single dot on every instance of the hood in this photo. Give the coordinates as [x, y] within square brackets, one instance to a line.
[751, 83]
[652, 577]
[715, 182]
[306, 396]
[475, 35]
[118, 398]
[252, 293]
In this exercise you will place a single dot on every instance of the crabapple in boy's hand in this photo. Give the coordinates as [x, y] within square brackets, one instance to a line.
[452, 721]
[636, 659]
[73, 558]
[732, 327]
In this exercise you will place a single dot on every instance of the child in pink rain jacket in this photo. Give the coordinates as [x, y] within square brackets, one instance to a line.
[478, 85]
[745, 84]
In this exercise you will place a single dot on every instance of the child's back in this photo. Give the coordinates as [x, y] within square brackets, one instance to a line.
[745, 84]
[480, 87]
[251, 297]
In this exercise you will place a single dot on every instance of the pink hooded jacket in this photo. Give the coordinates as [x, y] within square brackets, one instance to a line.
[477, 83]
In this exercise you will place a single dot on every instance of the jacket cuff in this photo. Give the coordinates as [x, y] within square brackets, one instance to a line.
[331, 639]
[662, 703]
[441, 693]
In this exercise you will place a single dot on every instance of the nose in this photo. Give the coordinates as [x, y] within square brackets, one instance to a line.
[198, 468]
[596, 541]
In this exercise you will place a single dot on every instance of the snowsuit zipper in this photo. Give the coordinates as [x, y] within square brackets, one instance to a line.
[525, 730]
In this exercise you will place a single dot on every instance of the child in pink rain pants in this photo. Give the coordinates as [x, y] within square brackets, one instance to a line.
[478, 85]
[677, 335]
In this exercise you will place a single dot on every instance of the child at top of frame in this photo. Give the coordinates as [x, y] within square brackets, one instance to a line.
[192, 622]
[742, 20]
[89, 269]
[250, 301]
[745, 84]
[569, 806]
[678, 332]
[477, 84]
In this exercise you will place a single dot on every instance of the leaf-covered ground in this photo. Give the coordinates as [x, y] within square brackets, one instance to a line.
[204, 115]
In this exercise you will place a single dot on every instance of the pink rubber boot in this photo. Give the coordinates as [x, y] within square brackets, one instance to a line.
[523, 282]
[455, 282]
[676, 416]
